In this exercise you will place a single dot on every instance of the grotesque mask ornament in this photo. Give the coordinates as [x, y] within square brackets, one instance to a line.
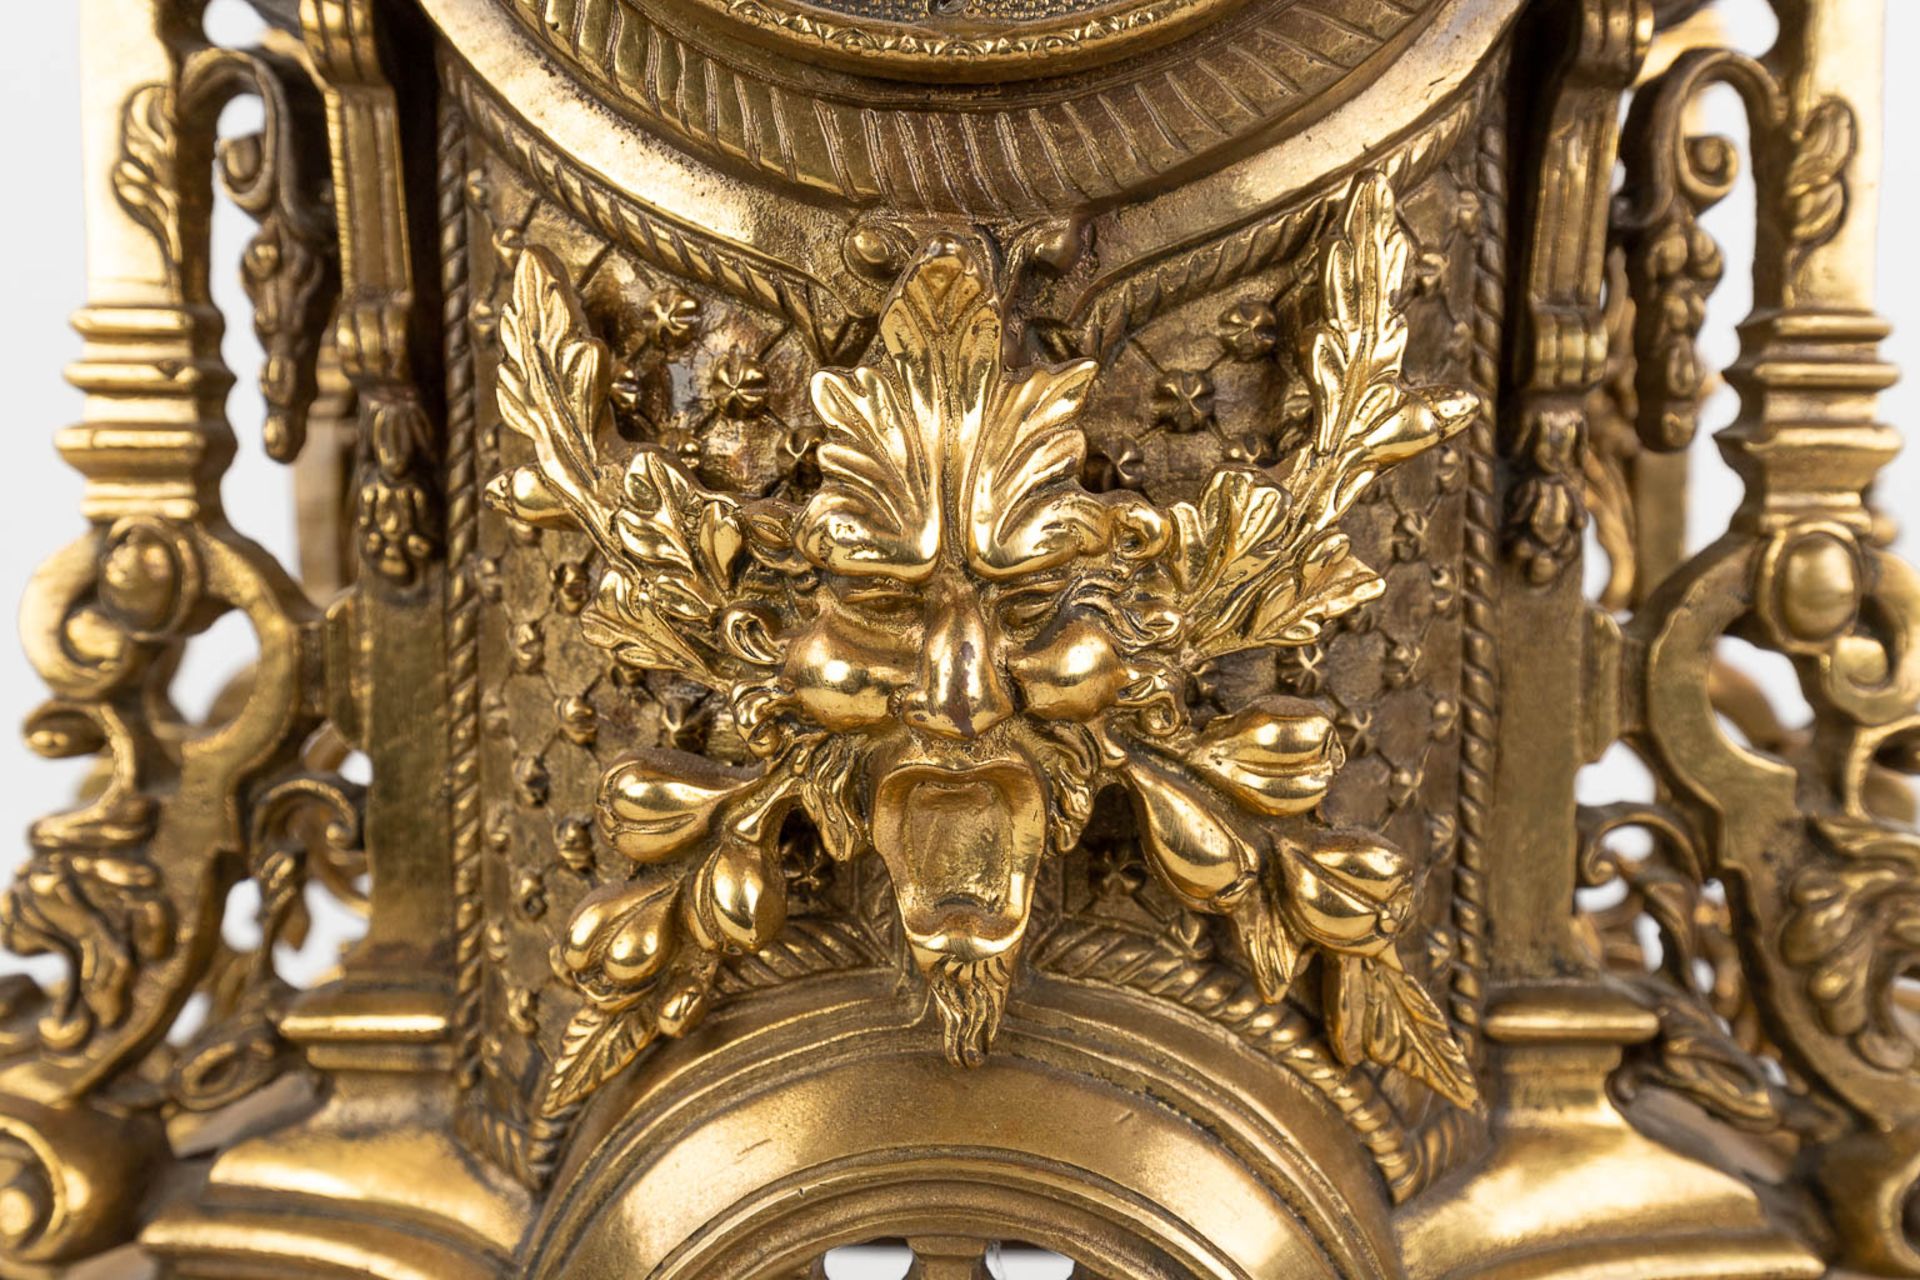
[953, 647]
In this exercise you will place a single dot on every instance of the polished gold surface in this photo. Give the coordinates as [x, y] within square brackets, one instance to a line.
[967, 623]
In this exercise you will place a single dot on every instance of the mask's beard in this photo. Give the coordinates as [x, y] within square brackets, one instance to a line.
[1070, 761]
[847, 803]
[835, 790]
[970, 996]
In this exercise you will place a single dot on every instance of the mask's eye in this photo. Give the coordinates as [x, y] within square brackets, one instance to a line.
[1030, 608]
[882, 601]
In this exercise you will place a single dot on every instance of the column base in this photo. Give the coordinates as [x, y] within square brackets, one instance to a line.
[372, 1184]
[1571, 1190]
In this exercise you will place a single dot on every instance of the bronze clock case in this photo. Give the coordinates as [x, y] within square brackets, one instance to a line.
[968, 624]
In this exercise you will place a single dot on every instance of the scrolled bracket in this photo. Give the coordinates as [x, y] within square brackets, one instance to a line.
[1674, 177]
[164, 180]
[128, 887]
[395, 507]
[291, 267]
[1672, 263]
[1822, 873]
[1826, 889]
[1796, 836]
[1563, 323]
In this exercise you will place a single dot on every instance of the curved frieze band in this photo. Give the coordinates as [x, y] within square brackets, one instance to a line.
[1358, 71]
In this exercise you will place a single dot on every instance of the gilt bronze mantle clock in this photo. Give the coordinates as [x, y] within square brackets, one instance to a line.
[970, 622]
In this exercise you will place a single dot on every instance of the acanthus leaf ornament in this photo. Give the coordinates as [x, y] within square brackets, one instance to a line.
[952, 647]
[1813, 195]
[1853, 928]
[290, 269]
[90, 894]
[144, 181]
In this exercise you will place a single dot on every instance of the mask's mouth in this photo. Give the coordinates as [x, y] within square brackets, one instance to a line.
[962, 845]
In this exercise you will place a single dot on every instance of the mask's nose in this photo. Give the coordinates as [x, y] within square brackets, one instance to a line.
[960, 692]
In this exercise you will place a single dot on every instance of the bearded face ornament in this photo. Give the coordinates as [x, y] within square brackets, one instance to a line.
[952, 647]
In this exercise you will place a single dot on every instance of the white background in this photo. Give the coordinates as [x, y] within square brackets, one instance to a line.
[41, 226]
